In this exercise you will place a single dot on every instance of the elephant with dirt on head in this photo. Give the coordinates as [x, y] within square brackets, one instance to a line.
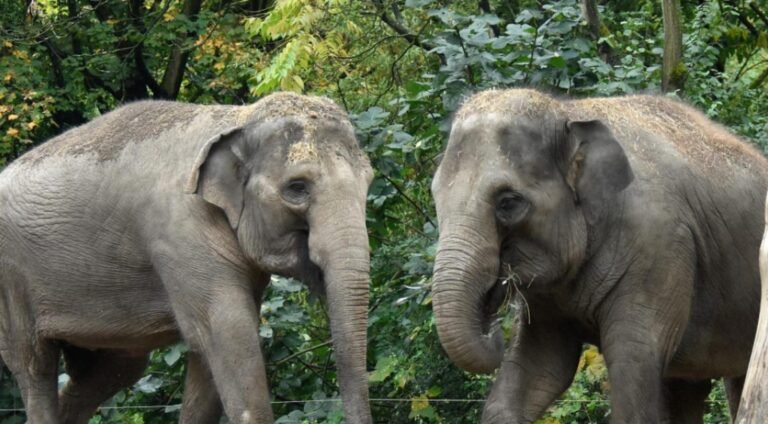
[632, 223]
[163, 221]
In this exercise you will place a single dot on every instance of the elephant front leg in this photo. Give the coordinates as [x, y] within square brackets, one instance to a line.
[635, 375]
[538, 366]
[231, 346]
[201, 401]
[641, 326]
[219, 319]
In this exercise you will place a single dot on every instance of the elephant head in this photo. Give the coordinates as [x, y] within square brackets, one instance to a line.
[519, 193]
[292, 183]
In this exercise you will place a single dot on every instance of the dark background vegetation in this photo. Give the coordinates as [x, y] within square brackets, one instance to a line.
[400, 67]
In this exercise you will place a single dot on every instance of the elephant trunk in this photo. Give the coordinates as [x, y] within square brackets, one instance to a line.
[338, 244]
[466, 294]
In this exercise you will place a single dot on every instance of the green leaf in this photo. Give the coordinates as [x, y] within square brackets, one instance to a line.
[418, 3]
[384, 368]
[174, 353]
[148, 384]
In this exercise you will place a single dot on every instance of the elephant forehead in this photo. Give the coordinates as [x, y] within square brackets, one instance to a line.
[496, 136]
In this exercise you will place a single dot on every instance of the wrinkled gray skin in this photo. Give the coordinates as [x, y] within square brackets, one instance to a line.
[631, 223]
[162, 221]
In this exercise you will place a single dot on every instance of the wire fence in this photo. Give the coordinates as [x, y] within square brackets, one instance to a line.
[177, 406]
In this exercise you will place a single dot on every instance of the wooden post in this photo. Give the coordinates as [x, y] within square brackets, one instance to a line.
[753, 408]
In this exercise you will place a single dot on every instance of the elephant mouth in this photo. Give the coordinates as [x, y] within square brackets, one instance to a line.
[492, 301]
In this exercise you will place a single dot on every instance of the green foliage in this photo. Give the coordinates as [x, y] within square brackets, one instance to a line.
[401, 87]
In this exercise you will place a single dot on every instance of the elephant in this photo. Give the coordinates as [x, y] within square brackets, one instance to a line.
[163, 221]
[631, 223]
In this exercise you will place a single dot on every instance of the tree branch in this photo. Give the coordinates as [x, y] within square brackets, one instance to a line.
[138, 54]
[301, 352]
[409, 200]
[759, 13]
[760, 80]
[55, 55]
[90, 80]
[399, 28]
[100, 10]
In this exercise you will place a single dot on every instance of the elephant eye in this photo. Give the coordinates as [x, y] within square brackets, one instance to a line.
[297, 186]
[509, 200]
[296, 191]
[511, 207]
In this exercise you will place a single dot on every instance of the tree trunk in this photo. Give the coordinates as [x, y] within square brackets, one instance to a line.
[754, 398]
[672, 70]
[174, 72]
[592, 16]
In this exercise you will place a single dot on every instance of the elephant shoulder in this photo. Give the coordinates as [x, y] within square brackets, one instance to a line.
[685, 136]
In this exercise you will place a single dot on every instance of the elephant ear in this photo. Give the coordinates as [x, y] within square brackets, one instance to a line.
[598, 169]
[220, 173]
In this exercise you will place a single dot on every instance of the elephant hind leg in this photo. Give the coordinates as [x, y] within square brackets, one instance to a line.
[32, 360]
[685, 400]
[733, 388]
[35, 368]
[94, 377]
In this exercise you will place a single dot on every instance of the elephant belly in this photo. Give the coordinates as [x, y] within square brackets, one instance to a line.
[718, 351]
[133, 319]
[101, 305]
[143, 332]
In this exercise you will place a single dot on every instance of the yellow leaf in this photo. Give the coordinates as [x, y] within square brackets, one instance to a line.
[13, 132]
[168, 16]
[218, 66]
[13, 117]
[21, 54]
[31, 125]
[7, 44]
[298, 82]
[8, 77]
[419, 403]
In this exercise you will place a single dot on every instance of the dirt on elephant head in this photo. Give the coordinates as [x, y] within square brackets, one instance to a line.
[283, 104]
[310, 111]
[513, 102]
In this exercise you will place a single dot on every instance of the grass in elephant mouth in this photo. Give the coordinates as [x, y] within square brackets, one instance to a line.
[512, 278]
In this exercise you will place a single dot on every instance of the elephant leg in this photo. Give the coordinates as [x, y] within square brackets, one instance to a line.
[733, 388]
[35, 367]
[538, 366]
[218, 316]
[685, 400]
[635, 371]
[641, 325]
[32, 360]
[201, 401]
[94, 377]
